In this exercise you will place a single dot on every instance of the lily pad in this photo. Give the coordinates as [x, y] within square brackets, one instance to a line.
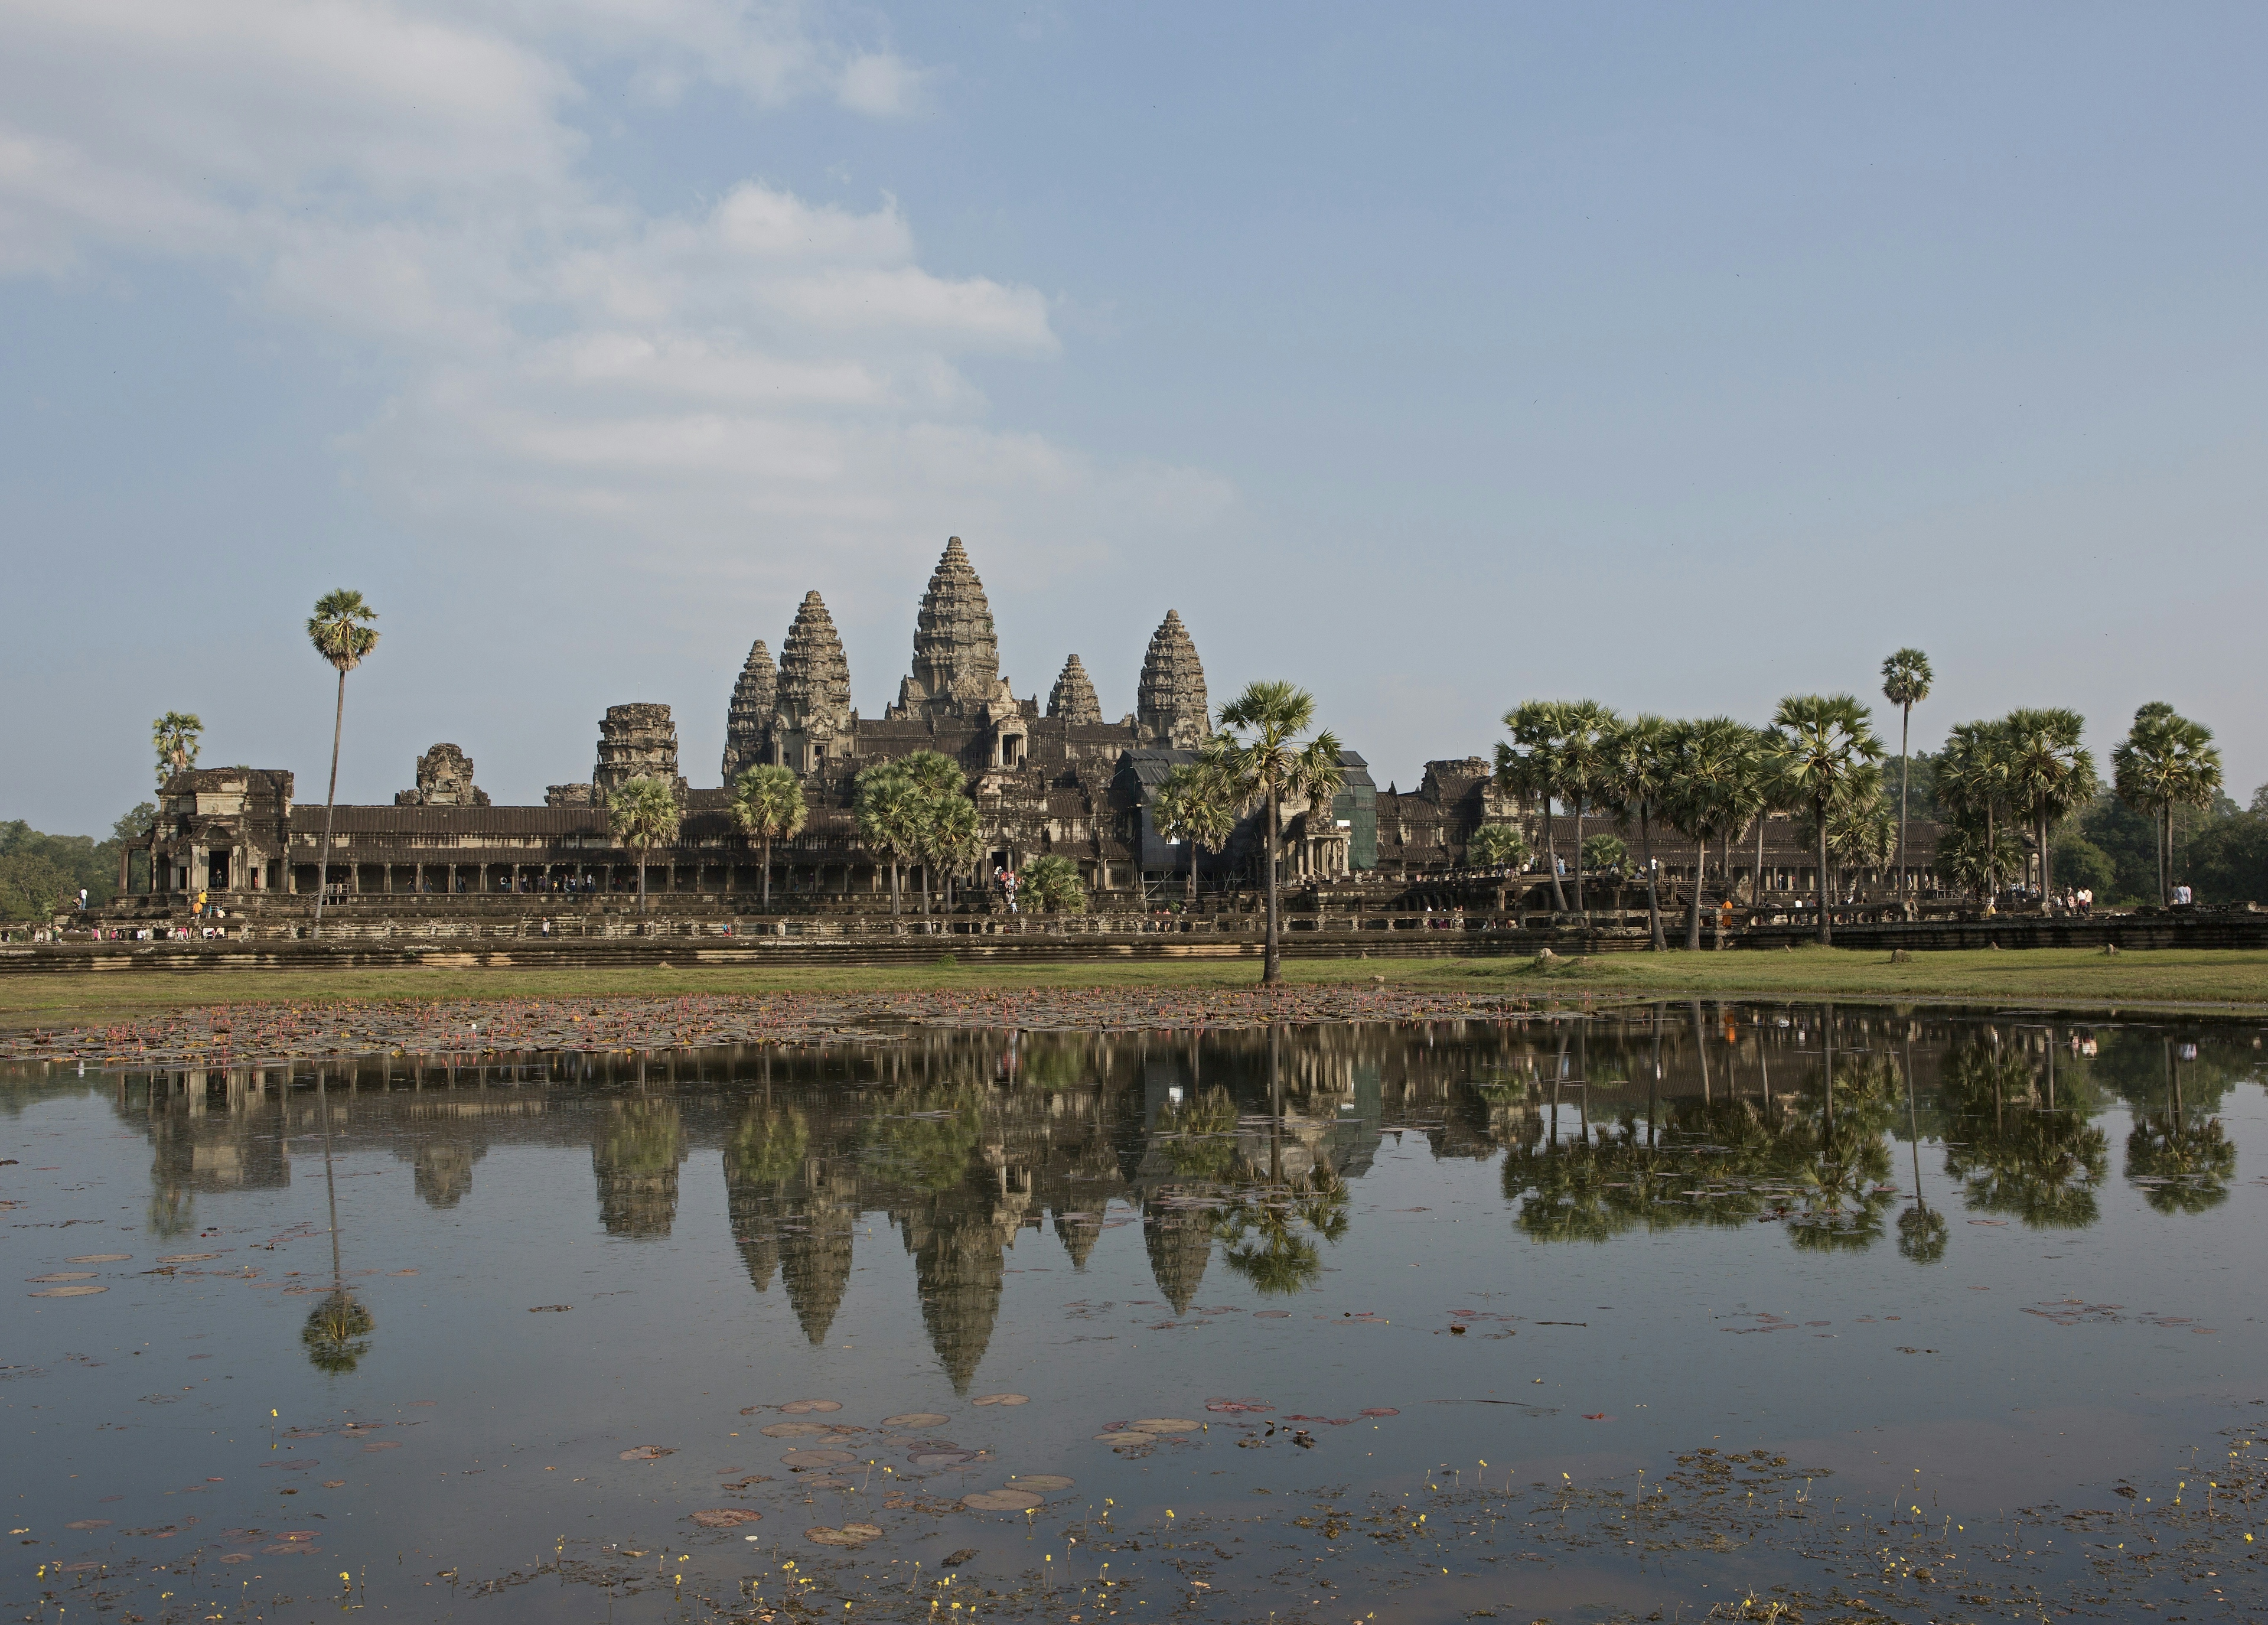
[725, 1517]
[941, 1457]
[642, 1453]
[1163, 1424]
[99, 1257]
[74, 1274]
[1003, 1500]
[187, 1258]
[800, 1407]
[915, 1419]
[1049, 1481]
[849, 1534]
[794, 1429]
[817, 1458]
[1380, 1410]
[1002, 1399]
[67, 1291]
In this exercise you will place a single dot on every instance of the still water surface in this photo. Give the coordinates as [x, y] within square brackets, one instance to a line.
[1623, 1316]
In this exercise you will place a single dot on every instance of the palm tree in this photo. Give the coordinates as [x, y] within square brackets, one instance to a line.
[1266, 762]
[945, 819]
[2050, 769]
[1973, 776]
[340, 630]
[1583, 751]
[1533, 765]
[1052, 884]
[175, 736]
[1752, 789]
[1906, 677]
[2166, 761]
[768, 804]
[643, 813]
[1498, 846]
[1703, 760]
[1633, 774]
[1193, 804]
[886, 804]
[1824, 739]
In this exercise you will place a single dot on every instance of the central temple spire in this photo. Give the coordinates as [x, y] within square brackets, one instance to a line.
[956, 652]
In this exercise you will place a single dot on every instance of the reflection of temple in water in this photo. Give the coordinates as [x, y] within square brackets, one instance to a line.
[970, 1143]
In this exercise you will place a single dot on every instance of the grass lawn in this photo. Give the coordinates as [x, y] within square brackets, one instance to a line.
[2233, 981]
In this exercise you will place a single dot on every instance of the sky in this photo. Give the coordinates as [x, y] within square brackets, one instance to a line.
[1434, 358]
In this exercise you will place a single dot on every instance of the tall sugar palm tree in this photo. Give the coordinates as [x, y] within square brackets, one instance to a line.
[1194, 804]
[886, 804]
[2166, 761]
[1704, 760]
[176, 737]
[643, 813]
[1752, 789]
[1266, 762]
[1583, 752]
[2050, 773]
[1533, 765]
[1633, 775]
[342, 632]
[1906, 677]
[1824, 740]
[768, 805]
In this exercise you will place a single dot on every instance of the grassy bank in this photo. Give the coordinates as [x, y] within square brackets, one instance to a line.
[2230, 980]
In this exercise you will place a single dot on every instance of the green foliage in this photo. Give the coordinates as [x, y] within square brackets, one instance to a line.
[642, 815]
[1262, 759]
[1606, 855]
[918, 807]
[1500, 846]
[340, 629]
[2227, 860]
[175, 736]
[767, 1147]
[41, 875]
[2166, 761]
[767, 803]
[2082, 864]
[1051, 885]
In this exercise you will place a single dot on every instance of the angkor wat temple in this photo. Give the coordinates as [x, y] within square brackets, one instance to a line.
[1057, 780]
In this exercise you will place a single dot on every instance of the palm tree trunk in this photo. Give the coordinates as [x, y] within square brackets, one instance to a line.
[1693, 904]
[893, 888]
[1826, 926]
[1757, 876]
[1653, 879]
[768, 875]
[1905, 735]
[2041, 811]
[1578, 854]
[1272, 967]
[642, 854]
[330, 802]
[1551, 857]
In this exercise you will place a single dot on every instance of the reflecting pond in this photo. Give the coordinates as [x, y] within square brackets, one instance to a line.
[1771, 1311]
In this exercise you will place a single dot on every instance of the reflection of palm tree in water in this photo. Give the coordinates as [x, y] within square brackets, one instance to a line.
[1921, 1232]
[2044, 1166]
[2182, 1167]
[337, 1333]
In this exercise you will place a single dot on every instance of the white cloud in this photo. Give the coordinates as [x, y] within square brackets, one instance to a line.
[880, 86]
[405, 174]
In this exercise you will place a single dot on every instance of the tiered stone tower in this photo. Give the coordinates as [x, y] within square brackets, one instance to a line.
[1072, 699]
[637, 742]
[956, 651]
[812, 719]
[750, 718]
[1170, 707]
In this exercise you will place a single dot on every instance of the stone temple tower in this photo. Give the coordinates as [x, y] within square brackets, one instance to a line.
[812, 717]
[956, 652]
[750, 718]
[1073, 699]
[636, 741]
[1170, 709]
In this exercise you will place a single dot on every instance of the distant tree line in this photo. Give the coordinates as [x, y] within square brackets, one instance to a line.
[41, 875]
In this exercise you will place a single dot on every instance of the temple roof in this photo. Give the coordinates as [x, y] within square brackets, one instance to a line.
[956, 652]
[1073, 699]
